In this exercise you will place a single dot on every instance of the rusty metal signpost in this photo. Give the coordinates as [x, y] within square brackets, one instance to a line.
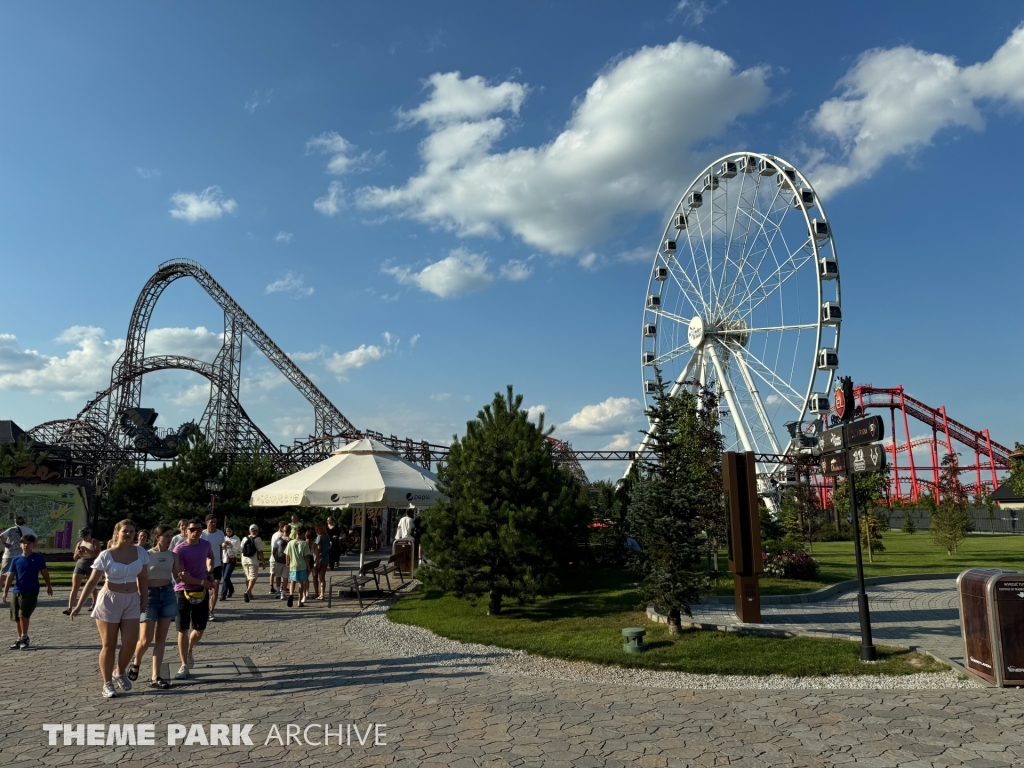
[850, 449]
[743, 534]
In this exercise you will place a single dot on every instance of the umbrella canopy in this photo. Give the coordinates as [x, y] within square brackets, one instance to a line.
[364, 473]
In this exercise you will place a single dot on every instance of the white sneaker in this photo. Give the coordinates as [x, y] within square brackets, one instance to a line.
[108, 691]
[181, 674]
[122, 682]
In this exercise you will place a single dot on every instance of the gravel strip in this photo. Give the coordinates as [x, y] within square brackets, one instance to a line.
[373, 629]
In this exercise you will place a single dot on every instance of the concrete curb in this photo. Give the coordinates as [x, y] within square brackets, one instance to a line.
[831, 590]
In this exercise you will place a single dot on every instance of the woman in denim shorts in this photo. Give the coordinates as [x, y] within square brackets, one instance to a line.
[162, 609]
[124, 597]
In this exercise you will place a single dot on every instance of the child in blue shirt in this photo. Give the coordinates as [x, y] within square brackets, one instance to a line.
[25, 570]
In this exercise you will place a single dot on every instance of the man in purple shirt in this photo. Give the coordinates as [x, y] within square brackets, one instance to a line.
[193, 585]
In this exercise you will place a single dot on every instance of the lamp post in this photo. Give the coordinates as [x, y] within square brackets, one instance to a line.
[214, 486]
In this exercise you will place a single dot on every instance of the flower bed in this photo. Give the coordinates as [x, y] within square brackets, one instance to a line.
[790, 565]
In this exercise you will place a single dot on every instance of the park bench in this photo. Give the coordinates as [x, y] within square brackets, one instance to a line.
[385, 569]
[355, 582]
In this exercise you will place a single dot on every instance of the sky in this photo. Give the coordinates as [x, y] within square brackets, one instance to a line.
[425, 202]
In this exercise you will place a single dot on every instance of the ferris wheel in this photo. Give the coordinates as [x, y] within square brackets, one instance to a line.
[744, 297]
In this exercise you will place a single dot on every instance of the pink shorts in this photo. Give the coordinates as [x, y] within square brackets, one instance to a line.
[115, 607]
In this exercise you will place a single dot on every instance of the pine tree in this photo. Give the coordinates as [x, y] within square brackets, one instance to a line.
[909, 526]
[951, 521]
[512, 517]
[679, 491]
[133, 495]
[182, 483]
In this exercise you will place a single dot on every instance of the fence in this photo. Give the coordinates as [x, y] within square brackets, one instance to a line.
[996, 521]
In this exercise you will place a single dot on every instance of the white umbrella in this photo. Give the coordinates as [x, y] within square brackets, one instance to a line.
[363, 474]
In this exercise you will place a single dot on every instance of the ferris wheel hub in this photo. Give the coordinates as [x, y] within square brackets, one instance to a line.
[695, 333]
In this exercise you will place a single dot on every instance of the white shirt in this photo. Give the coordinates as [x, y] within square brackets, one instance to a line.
[177, 539]
[121, 573]
[255, 559]
[405, 528]
[233, 547]
[216, 539]
[11, 538]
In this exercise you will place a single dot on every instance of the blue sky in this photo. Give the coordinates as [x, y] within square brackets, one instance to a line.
[428, 202]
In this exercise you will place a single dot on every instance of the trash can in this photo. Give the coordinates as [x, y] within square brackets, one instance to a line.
[992, 624]
[403, 549]
[633, 640]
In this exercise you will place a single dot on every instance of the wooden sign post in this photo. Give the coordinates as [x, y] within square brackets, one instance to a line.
[743, 533]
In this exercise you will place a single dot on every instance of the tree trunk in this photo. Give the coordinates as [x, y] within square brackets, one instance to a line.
[494, 608]
[675, 622]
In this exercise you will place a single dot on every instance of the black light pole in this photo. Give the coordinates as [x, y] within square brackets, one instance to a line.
[867, 647]
[214, 486]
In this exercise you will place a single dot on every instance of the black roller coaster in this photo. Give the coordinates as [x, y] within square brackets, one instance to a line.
[114, 430]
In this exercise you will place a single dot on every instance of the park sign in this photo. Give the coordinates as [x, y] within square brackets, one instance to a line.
[832, 440]
[833, 464]
[869, 458]
[864, 431]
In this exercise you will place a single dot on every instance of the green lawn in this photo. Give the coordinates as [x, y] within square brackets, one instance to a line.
[585, 622]
[904, 553]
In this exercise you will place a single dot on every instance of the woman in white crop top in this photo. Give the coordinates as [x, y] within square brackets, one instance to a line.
[123, 599]
[163, 607]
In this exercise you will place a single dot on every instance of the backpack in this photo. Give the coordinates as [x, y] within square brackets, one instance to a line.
[248, 547]
[279, 547]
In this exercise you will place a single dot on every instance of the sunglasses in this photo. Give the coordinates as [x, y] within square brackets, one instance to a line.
[195, 530]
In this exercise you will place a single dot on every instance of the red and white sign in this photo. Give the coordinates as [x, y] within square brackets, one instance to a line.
[840, 403]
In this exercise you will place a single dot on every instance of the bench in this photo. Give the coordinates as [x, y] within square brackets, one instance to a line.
[391, 566]
[355, 582]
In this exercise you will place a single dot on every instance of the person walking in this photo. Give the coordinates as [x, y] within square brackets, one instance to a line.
[193, 585]
[295, 527]
[252, 559]
[322, 561]
[216, 540]
[124, 598]
[295, 554]
[142, 539]
[181, 537]
[161, 610]
[25, 570]
[86, 552]
[229, 556]
[336, 534]
[11, 539]
[279, 567]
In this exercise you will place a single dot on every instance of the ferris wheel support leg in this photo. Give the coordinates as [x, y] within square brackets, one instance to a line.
[730, 396]
[756, 398]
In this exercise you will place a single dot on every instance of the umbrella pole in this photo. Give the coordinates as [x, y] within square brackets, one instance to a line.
[362, 539]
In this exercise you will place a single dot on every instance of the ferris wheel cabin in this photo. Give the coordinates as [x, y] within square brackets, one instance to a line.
[669, 246]
[804, 199]
[695, 200]
[679, 222]
[661, 273]
[831, 313]
[748, 164]
[818, 403]
[819, 229]
[828, 268]
[648, 358]
[828, 359]
[654, 301]
[650, 330]
[728, 169]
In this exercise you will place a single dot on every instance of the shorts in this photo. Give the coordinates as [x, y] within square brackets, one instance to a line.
[23, 604]
[115, 607]
[83, 567]
[5, 564]
[191, 615]
[280, 570]
[252, 570]
[297, 576]
[217, 571]
[163, 603]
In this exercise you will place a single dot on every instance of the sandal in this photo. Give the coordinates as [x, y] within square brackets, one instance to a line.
[159, 683]
[133, 672]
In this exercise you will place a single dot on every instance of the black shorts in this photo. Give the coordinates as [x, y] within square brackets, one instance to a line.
[83, 567]
[217, 571]
[191, 616]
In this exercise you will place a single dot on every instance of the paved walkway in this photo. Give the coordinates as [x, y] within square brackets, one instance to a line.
[913, 613]
[264, 664]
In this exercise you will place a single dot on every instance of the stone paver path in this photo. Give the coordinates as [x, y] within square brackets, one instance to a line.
[913, 613]
[308, 670]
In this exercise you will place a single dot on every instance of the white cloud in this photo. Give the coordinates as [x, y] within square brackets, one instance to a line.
[340, 150]
[515, 270]
[256, 100]
[148, 173]
[413, 340]
[894, 101]
[290, 427]
[609, 417]
[772, 400]
[341, 364]
[453, 99]
[440, 397]
[198, 343]
[208, 204]
[534, 411]
[627, 441]
[291, 284]
[283, 237]
[300, 357]
[622, 152]
[589, 261]
[193, 395]
[694, 13]
[333, 201]
[82, 371]
[459, 273]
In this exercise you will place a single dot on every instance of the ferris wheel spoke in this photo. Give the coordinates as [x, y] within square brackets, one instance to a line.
[730, 396]
[745, 331]
[670, 316]
[755, 399]
[692, 293]
[782, 388]
[781, 274]
[704, 291]
[672, 355]
[756, 218]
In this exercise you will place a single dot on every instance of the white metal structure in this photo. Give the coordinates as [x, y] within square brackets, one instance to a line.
[745, 305]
